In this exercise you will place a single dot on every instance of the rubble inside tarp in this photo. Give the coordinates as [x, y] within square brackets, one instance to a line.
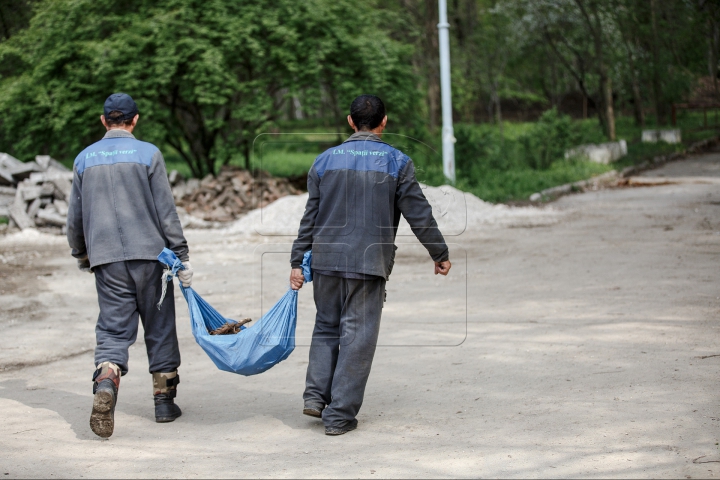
[34, 194]
[231, 194]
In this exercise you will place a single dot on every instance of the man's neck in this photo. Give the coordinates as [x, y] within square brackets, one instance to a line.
[378, 131]
[118, 132]
[124, 129]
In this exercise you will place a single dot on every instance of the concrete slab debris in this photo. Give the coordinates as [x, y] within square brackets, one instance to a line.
[18, 214]
[667, 136]
[34, 193]
[24, 171]
[604, 153]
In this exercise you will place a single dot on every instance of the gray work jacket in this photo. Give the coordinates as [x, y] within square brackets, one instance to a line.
[357, 192]
[121, 206]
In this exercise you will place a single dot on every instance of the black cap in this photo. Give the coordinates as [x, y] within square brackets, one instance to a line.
[121, 102]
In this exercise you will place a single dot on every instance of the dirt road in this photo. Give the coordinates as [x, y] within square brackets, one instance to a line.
[585, 347]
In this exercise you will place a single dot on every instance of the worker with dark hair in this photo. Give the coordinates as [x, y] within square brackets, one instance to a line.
[357, 192]
[121, 216]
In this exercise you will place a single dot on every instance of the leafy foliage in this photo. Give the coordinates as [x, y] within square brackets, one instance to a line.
[208, 76]
[538, 146]
[14, 16]
[548, 139]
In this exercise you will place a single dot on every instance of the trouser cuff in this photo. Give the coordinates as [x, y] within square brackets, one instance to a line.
[107, 371]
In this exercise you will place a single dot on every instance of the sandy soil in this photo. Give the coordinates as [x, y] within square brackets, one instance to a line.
[584, 347]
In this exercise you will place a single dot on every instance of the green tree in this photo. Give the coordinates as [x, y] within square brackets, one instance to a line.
[208, 75]
[14, 16]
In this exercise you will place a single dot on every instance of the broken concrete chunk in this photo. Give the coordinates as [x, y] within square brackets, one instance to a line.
[34, 207]
[47, 189]
[23, 171]
[62, 207]
[18, 214]
[46, 162]
[29, 193]
[174, 177]
[7, 196]
[666, 135]
[51, 217]
[6, 177]
[50, 175]
[603, 153]
[8, 161]
[50, 208]
[63, 187]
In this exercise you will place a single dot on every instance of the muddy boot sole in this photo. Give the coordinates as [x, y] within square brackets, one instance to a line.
[312, 412]
[168, 418]
[102, 421]
[335, 431]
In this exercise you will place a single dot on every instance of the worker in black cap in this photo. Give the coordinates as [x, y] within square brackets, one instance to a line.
[121, 216]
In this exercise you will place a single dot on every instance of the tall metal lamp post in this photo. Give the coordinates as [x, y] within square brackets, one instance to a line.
[448, 135]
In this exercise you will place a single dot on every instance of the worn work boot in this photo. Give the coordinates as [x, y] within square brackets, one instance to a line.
[164, 391]
[106, 382]
[348, 427]
[313, 410]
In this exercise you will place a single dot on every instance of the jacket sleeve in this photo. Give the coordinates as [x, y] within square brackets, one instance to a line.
[165, 208]
[418, 213]
[75, 232]
[304, 240]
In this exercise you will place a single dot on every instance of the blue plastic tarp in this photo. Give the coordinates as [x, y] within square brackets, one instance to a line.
[253, 350]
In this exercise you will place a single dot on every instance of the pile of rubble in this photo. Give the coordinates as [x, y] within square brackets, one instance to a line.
[231, 194]
[34, 194]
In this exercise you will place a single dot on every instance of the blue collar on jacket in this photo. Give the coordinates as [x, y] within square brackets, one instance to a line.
[117, 146]
[362, 157]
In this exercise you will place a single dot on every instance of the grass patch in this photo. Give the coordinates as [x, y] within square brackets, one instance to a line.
[520, 183]
[284, 164]
[4, 220]
[639, 152]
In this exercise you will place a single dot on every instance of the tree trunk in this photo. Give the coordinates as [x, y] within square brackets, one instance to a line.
[637, 96]
[4, 25]
[609, 110]
[498, 108]
[246, 154]
[637, 101]
[432, 60]
[599, 101]
[656, 81]
[713, 41]
[594, 26]
[629, 40]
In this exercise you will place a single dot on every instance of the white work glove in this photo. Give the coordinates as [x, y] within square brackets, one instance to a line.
[186, 275]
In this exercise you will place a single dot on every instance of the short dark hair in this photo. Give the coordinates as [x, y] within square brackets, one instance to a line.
[117, 118]
[367, 112]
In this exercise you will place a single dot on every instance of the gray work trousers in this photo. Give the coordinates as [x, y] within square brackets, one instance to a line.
[127, 290]
[343, 345]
